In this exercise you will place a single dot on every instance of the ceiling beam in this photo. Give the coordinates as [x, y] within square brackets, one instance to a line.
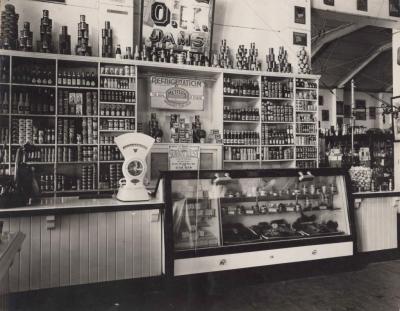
[333, 34]
[364, 63]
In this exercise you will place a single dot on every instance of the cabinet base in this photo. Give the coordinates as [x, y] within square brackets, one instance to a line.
[261, 258]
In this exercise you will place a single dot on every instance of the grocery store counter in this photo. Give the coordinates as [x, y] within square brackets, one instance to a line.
[376, 194]
[69, 205]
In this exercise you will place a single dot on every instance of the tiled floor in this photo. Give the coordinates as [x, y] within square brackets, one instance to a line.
[373, 287]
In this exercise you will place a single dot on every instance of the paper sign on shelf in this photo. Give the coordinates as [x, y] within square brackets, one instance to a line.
[183, 157]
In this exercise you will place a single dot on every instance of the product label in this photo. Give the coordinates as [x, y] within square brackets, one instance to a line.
[177, 93]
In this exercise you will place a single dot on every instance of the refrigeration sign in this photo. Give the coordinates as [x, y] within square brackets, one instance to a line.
[177, 93]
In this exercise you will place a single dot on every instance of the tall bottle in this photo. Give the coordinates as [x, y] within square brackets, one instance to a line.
[118, 53]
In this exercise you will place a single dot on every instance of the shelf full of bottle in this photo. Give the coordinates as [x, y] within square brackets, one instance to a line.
[4, 69]
[276, 112]
[277, 135]
[248, 114]
[246, 87]
[277, 88]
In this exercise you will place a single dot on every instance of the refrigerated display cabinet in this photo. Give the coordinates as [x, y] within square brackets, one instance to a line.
[224, 220]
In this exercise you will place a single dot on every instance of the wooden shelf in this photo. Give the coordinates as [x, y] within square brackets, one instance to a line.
[117, 103]
[92, 88]
[277, 98]
[33, 115]
[233, 97]
[115, 89]
[33, 85]
[105, 75]
[249, 122]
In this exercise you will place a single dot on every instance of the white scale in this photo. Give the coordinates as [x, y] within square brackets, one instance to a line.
[134, 147]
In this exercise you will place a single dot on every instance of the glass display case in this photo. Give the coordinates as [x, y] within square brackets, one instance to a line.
[215, 213]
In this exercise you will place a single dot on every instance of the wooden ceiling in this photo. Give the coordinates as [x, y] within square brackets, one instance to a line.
[344, 50]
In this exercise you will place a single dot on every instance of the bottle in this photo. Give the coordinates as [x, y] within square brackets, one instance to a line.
[118, 53]
[93, 80]
[64, 78]
[5, 102]
[78, 79]
[21, 104]
[27, 104]
[60, 79]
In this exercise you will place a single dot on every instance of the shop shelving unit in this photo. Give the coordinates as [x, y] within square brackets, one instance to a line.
[59, 63]
[214, 98]
[299, 97]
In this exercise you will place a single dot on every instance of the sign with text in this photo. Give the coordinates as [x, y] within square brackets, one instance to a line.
[181, 25]
[176, 93]
[183, 157]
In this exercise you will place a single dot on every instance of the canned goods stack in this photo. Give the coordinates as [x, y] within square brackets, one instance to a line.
[42, 154]
[115, 175]
[83, 48]
[118, 125]
[303, 62]
[45, 44]
[246, 59]
[26, 38]
[64, 41]
[88, 178]
[72, 103]
[110, 153]
[107, 139]
[115, 70]
[46, 182]
[107, 40]
[118, 96]
[223, 58]
[9, 28]
[80, 153]
[278, 65]
[4, 135]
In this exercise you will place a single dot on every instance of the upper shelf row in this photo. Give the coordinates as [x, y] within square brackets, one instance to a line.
[165, 68]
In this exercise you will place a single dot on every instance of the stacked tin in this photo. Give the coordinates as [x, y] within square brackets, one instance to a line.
[26, 38]
[83, 48]
[89, 178]
[303, 62]
[45, 44]
[115, 175]
[64, 41]
[107, 40]
[9, 28]
[223, 58]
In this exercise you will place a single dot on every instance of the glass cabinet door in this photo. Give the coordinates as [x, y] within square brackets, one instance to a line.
[266, 209]
[196, 217]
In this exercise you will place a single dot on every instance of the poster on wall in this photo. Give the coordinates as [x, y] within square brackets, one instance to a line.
[183, 157]
[299, 14]
[181, 25]
[396, 119]
[176, 93]
[362, 5]
[300, 38]
[329, 2]
[394, 8]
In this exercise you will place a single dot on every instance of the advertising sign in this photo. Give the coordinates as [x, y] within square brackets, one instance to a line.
[183, 157]
[181, 25]
[176, 93]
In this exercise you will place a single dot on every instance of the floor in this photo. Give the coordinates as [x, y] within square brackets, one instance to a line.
[368, 287]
